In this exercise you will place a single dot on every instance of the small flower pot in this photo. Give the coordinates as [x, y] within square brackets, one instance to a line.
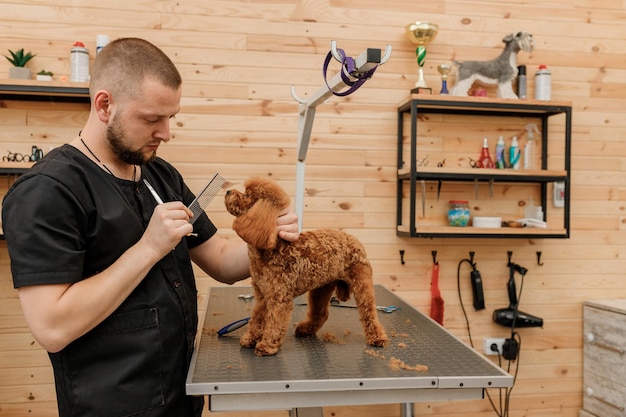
[44, 77]
[21, 73]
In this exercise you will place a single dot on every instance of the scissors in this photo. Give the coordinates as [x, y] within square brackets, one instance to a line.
[386, 309]
[440, 164]
[422, 162]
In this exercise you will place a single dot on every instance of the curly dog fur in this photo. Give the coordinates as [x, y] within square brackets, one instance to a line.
[321, 262]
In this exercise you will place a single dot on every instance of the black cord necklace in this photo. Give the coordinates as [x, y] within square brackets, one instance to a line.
[100, 162]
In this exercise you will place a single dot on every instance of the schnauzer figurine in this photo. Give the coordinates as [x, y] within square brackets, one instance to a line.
[321, 262]
[501, 70]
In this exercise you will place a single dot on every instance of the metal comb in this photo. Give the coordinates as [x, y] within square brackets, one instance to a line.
[203, 199]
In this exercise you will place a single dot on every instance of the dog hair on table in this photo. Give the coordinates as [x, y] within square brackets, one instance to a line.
[323, 262]
[501, 70]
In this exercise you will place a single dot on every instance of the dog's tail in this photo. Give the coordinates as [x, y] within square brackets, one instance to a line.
[343, 291]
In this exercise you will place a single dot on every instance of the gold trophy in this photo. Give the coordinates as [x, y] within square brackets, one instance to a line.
[444, 70]
[421, 34]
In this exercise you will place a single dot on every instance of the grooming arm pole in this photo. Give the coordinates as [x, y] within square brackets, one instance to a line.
[368, 60]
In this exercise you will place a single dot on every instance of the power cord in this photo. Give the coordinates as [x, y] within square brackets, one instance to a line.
[458, 285]
[510, 350]
[504, 394]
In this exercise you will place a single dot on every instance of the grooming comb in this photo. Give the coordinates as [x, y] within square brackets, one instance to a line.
[203, 199]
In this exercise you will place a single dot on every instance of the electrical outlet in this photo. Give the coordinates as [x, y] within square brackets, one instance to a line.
[559, 194]
[488, 341]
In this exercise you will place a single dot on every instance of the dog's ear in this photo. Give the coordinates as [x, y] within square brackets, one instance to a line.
[258, 225]
[508, 38]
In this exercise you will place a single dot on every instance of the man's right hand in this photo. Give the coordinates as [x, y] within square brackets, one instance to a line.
[168, 225]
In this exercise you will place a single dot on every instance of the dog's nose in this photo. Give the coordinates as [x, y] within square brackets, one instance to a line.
[227, 192]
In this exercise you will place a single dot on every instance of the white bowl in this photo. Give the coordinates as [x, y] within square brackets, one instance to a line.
[487, 222]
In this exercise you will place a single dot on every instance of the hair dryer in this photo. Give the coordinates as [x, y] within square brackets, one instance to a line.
[511, 316]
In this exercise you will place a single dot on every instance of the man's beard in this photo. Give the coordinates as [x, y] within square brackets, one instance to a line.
[116, 139]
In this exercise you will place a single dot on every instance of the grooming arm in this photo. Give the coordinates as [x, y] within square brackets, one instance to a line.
[363, 64]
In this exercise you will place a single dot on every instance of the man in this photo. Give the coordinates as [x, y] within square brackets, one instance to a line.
[102, 269]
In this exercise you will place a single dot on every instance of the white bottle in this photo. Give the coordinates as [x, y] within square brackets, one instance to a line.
[79, 63]
[543, 83]
[529, 149]
[101, 42]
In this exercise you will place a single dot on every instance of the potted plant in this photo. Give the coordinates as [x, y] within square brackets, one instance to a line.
[19, 59]
[44, 75]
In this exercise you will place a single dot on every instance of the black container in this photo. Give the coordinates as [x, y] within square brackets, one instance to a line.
[521, 81]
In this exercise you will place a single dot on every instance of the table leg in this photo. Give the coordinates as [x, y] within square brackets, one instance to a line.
[306, 412]
[406, 410]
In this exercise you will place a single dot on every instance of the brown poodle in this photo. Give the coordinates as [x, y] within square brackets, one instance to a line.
[321, 262]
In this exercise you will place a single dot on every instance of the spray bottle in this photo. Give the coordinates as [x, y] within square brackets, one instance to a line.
[79, 63]
[485, 161]
[529, 149]
[500, 153]
[514, 154]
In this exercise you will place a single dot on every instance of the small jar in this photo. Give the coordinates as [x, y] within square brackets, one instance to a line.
[458, 213]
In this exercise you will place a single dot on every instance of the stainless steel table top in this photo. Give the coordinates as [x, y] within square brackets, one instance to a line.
[336, 367]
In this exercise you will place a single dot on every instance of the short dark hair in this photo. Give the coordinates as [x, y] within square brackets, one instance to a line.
[125, 63]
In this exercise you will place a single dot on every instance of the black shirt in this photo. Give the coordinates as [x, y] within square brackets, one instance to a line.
[65, 220]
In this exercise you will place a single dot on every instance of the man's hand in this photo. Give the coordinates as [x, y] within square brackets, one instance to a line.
[168, 225]
[287, 225]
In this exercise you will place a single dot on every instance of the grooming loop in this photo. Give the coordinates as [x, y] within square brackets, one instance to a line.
[353, 74]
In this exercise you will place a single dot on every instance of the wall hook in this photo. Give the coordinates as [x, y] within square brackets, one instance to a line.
[539, 258]
[434, 253]
[402, 256]
[509, 254]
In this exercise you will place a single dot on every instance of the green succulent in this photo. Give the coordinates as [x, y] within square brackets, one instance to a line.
[44, 72]
[19, 58]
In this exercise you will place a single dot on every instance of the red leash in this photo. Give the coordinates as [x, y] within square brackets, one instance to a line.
[436, 302]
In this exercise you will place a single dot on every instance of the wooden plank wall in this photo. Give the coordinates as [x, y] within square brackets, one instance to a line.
[239, 60]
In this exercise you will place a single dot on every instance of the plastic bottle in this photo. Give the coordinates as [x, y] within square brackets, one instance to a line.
[500, 153]
[101, 42]
[521, 81]
[485, 161]
[514, 154]
[79, 63]
[529, 148]
[543, 83]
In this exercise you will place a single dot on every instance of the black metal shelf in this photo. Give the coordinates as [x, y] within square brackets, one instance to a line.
[44, 91]
[12, 170]
[502, 233]
[476, 106]
[485, 107]
[486, 175]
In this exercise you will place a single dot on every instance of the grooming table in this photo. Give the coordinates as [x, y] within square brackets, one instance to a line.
[336, 367]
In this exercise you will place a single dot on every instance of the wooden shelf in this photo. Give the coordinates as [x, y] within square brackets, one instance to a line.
[443, 104]
[409, 225]
[44, 90]
[8, 168]
[484, 174]
[469, 231]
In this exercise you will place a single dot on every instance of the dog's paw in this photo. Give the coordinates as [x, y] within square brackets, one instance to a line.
[378, 341]
[305, 329]
[264, 349]
[247, 341]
